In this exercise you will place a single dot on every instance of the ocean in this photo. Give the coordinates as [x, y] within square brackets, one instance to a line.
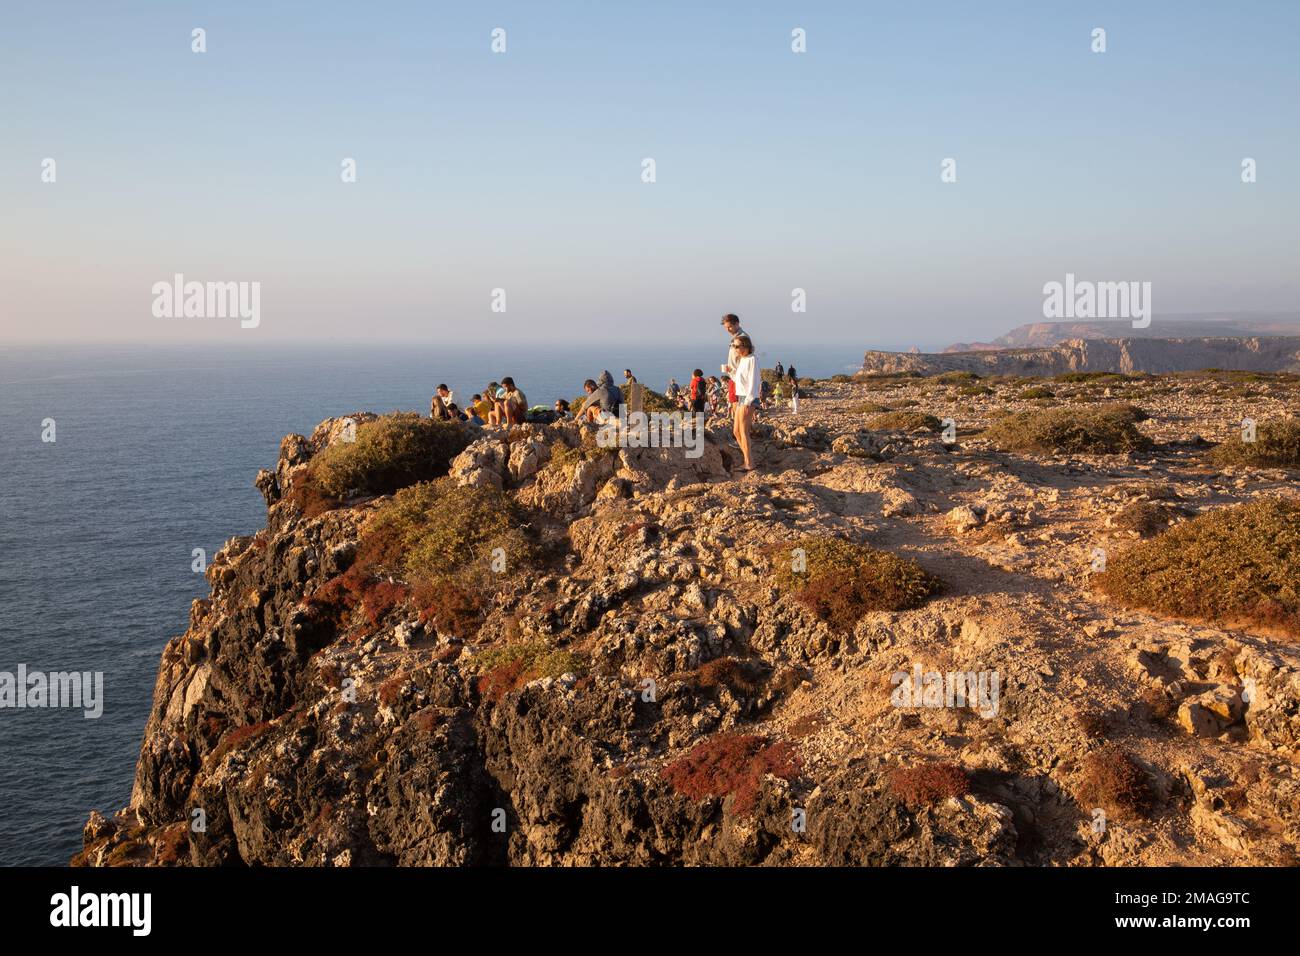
[154, 455]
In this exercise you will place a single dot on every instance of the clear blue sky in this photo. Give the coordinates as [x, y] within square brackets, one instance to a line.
[522, 171]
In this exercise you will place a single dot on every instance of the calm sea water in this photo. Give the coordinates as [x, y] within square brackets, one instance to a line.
[154, 456]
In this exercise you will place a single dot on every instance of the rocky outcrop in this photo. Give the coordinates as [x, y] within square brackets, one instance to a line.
[1125, 355]
[701, 713]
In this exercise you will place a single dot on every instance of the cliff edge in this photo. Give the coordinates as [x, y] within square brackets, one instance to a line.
[451, 647]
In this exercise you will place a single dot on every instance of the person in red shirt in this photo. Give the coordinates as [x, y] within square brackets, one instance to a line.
[697, 392]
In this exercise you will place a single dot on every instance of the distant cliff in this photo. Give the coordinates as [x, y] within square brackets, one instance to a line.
[1255, 354]
[1046, 334]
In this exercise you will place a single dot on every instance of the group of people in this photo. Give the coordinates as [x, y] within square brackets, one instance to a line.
[737, 392]
[501, 403]
[713, 395]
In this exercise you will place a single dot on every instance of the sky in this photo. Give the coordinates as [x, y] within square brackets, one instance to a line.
[523, 170]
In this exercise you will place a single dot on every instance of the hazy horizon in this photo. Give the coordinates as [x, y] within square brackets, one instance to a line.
[522, 170]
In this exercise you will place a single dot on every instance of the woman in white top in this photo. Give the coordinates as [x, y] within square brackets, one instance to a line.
[749, 385]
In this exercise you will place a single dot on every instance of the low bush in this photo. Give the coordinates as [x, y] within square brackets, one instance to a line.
[438, 529]
[743, 678]
[1113, 780]
[567, 457]
[928, 783]
[435, 542]
[905, 422]
[389, 453]
[1147, 517]
[1235, 565]
[1037, 391]
[731, 764]
[867, 408]
[503, 669]
[841, 581]
[1101, 429]
[1276, 445]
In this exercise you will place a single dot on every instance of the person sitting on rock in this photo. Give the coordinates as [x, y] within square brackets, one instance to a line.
[478, 410]
[562, 412]
[438, 410]
[492, 394]
[514, 402]
[602, 399]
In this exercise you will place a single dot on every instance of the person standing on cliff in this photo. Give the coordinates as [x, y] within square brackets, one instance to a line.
[748, 384]
[731, 322]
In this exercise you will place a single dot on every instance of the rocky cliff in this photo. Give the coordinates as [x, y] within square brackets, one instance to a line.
[1212, 325]
[651, 662]
[1127, 355]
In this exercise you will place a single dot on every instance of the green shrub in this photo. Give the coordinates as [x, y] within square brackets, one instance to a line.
[971, 390]
[503, 669]
[1276, 445]
[1235, 565]
[1101, 429]
[1038, 391]
[841, 581]
[950, 377]
[905, 422]
[389, 453]
[439, 528]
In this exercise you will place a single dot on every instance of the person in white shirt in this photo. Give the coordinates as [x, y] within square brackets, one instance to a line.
[749, 384]
[446, 394]
[731, 322]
